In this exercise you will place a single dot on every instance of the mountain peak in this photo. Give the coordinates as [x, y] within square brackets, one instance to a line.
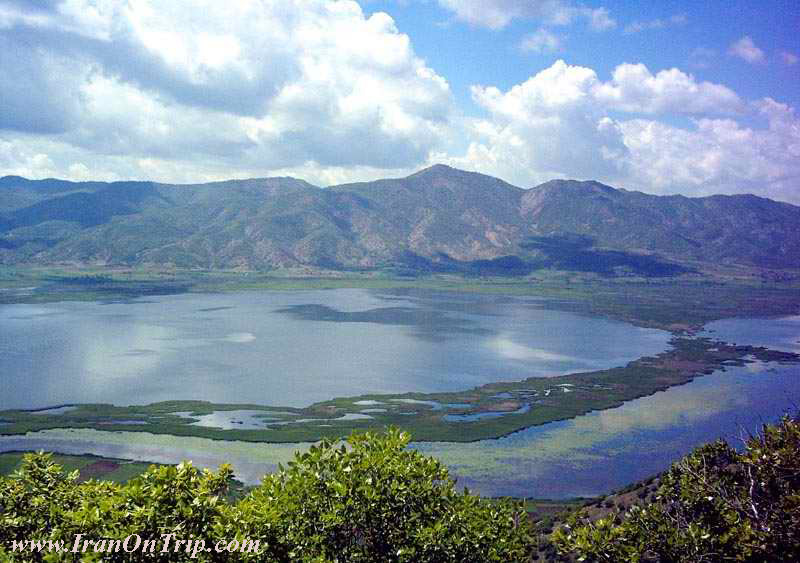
[440, 215]
[436, 170]
[445, 172]
[577, 186]
[13, 179]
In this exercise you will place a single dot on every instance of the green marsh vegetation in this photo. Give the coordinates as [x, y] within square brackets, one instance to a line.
[489, 411]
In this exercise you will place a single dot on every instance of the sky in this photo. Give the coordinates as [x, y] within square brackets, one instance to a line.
[669, 97]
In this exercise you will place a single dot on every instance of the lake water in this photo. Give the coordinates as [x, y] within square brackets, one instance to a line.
[295, 348]
[586, 456]
[606, 450]
[779, 334]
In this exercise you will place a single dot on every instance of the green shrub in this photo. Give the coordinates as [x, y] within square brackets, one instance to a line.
[714, 505]
[368, 500]
[374, 500]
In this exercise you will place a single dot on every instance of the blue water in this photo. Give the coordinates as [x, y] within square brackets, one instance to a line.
[249, 348]
[604, 450]
[586, 456]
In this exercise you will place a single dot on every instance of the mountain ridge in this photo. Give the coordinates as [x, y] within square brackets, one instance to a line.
[437, 219]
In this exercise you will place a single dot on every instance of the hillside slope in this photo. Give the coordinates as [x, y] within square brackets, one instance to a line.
[439, 219]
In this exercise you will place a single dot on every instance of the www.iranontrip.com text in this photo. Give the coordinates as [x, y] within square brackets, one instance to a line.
[166, 543]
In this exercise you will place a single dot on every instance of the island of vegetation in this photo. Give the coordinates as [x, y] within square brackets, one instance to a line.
[489, 411]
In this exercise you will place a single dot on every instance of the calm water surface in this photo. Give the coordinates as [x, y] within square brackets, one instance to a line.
[779, 334]
[294, 348]
[589, 455]
[601, 451]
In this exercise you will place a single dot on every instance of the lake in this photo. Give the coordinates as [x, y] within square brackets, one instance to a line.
[586, 456]
[295, 348]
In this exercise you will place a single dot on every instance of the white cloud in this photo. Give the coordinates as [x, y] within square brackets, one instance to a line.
[599, 18]
[702, 57]
[789, 58]
[21, 160]
[565, 122]
[549, 126]
[494, 14]
[111, 90]
[719, 155]
[497, 14]
[746, 50]
[633, 88]
[247, 87]
[541, 41]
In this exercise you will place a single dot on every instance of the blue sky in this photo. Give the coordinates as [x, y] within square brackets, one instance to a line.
[669, 35]
[688, 98]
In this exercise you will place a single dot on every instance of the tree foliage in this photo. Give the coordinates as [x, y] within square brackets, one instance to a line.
[369, 499]
[716, 504]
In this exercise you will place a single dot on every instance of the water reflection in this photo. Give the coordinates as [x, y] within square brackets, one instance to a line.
[230, 420]
[586, 456]
[348, 342]
[595, 453]
[507, 348]
[251, 461]
[484, 415]
[779, 334]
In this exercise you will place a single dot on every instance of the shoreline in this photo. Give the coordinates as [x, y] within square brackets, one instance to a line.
[489, 411]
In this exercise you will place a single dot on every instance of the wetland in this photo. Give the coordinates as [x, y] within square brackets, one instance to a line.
[494, 383]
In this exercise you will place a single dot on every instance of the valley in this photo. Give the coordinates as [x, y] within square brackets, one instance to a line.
[501, 335]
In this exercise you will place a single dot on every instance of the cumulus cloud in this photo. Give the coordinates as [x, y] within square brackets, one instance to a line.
[633, 88]
[497, 14]
[746, 50]
[719, 155]
[546, 126]
[565, 122]
[253, 86]
[320, 90]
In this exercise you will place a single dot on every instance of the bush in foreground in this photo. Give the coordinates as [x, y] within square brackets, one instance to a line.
[716, 504]
[365, 501]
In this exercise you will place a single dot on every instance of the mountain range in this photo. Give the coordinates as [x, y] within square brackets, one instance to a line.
[437, 220]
